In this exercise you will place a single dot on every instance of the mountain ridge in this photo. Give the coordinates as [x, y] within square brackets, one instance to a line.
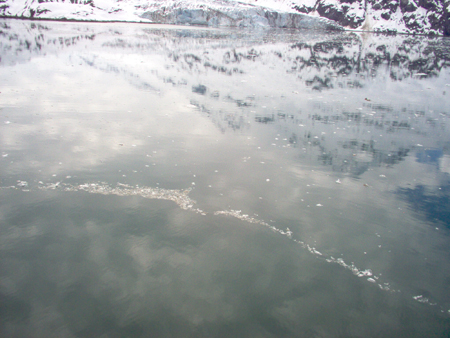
[391, 16]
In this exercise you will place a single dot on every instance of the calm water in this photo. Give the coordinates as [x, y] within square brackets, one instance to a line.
[179, 182]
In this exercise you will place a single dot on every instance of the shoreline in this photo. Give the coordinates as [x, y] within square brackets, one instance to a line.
[63, 20]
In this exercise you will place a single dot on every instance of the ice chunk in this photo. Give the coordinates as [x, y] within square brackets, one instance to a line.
[22, 184]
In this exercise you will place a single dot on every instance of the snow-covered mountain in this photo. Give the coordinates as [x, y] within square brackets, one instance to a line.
[217, 13]
[403, 16]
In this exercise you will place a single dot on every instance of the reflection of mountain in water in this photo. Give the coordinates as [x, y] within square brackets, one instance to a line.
[321, 61]
[353, 142]
[342, 60]
[346, 141]
[203, 63]
[21, 41]
[346, 55]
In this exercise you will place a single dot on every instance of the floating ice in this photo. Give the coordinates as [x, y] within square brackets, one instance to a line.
[355, 270]
[384, 287]
[289, 232]
[366, 272]
[180, 197]
[22, 184]
[312, 250]
[246, 218]
[421, 299]
[238, 214]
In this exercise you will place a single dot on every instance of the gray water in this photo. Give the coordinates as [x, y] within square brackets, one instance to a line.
[163, 181]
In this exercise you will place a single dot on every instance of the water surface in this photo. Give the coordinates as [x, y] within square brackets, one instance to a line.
[162, 181]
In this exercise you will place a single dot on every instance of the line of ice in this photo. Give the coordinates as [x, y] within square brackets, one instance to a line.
[182, 199]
